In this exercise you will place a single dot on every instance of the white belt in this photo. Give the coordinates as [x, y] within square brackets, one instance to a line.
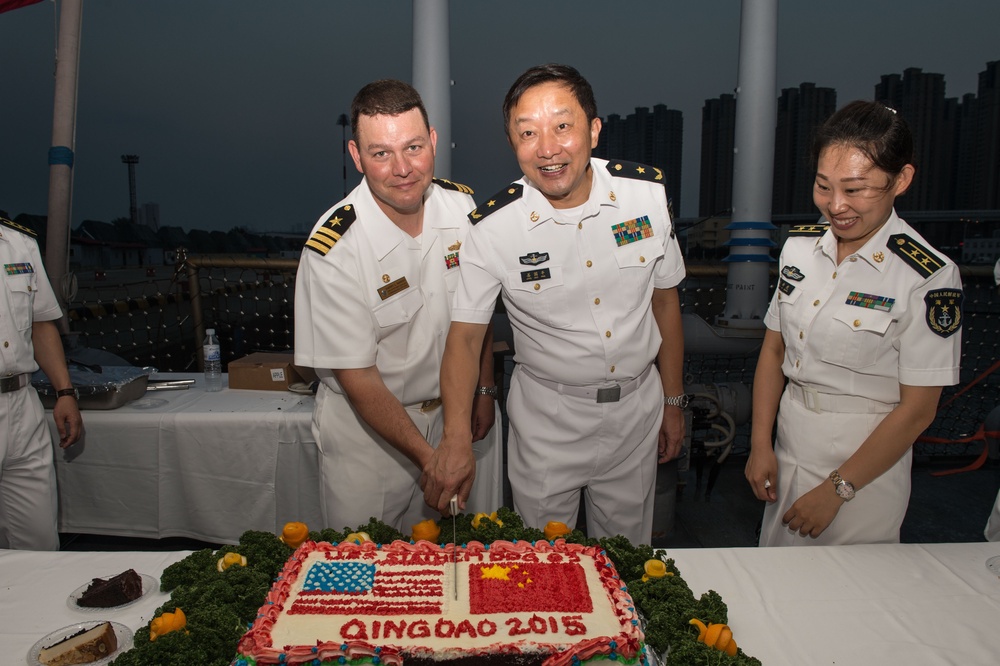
[818, 402]
[612, 393]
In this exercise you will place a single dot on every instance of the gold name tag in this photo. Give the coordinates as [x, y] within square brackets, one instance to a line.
[393, 288]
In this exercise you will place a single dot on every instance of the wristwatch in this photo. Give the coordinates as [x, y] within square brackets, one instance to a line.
[844, 488]
[681, 400]
[487, 390]
[68, 391]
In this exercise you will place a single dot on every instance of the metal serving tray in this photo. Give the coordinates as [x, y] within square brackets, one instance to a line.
[106, 387]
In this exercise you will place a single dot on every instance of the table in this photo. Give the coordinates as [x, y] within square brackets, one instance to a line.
[857, 605]
[207, 466]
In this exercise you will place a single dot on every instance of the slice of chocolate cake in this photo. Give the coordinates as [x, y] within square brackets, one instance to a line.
[115, 591]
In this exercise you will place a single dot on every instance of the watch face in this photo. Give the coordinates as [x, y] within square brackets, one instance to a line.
[845, 490]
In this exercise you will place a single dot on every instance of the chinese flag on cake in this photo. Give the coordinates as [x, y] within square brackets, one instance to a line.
[532, 586]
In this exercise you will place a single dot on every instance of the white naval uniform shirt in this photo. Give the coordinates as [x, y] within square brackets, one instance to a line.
[578, 298]
[27, 297]
[865, 326]
[342, 320]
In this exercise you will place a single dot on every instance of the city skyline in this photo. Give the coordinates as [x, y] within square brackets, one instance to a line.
[232, 107]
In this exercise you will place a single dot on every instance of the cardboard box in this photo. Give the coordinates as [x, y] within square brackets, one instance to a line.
[267, 372]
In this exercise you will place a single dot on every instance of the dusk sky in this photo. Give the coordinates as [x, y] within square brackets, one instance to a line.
[232, 105]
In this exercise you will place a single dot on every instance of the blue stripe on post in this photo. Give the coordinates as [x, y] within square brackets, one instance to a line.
[61, 155]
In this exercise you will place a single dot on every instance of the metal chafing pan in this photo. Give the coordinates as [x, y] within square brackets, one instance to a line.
[107, 387]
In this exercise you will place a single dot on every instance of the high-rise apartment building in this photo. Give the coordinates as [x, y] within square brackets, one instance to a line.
[718, 131]
[986, 185]
[652, 137]
[800, 111]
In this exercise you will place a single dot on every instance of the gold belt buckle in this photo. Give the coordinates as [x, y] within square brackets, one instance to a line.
[430, 405]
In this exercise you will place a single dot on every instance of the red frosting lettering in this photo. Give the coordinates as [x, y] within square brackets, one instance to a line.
[418, 629]
[375, 627]
[465, 627]
[553, 625]
[444, 628]
[392, 627]
[537, 624]
[574, 625]
[487, 627]
[515, 627]
[355, 629]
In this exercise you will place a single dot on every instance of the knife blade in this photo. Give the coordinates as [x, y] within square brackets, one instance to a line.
[453, 507]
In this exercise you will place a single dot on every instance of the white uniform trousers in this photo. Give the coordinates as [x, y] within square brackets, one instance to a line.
[561, 445]
[28, 501]
[362, 476]
[809, 446]
[992, 531]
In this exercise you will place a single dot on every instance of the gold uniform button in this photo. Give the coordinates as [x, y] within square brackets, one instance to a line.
[537, 286]
[589, 263]
[816, 302]
[607, 334]
[612, 368]
[857, 322]
[801, 335]
[29, 287]
[597, 301]
[579, 225]
[796, 364]
[6, 344]
[835, 275]
[642, 259]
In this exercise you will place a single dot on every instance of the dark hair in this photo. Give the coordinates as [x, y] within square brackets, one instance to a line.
[386, 97]
[879, 132]
[563, 74]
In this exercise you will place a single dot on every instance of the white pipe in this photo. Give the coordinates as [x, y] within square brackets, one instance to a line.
[61, 154]
[432, 73]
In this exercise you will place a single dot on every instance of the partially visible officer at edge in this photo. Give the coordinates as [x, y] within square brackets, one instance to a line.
[29, 339]
[584, 254]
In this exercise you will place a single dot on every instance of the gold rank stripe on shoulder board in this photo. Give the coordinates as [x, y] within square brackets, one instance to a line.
[915, 255]
[505, 196]
[449, 185]
[330, 232]
[11, 224]
[808, 230]
[637, 171]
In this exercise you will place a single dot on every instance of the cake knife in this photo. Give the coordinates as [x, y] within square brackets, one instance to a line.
[454, 546]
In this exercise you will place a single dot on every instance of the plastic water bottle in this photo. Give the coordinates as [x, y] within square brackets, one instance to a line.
[213, 361]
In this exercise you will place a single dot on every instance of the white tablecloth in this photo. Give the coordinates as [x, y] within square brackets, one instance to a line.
[205, 465]
[845, 605]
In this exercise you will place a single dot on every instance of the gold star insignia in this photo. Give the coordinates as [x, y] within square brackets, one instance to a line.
[640, 170]
[335, 222]
[491, 203]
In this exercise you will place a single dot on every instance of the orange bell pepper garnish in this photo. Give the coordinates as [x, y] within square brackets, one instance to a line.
[554, 529]
[426, 530]
[294, 534]
[166, 623]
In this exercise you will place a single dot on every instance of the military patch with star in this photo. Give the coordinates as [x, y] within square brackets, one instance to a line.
[330, 232]
[944, 311]
[637, 171]
[505, 196]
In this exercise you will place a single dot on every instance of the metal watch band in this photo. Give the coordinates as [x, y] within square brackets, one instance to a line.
[487, 390]
[681, 400]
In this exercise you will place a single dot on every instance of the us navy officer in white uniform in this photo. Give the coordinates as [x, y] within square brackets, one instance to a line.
[584, 254]
[29, 338]
[372, 307]
[865, 324]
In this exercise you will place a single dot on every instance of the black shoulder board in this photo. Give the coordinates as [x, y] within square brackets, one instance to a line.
[327, 235]
[11, 224]
[510, 193]
[915, 255]
[635, 170]
[458, 187]
[808, 229]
